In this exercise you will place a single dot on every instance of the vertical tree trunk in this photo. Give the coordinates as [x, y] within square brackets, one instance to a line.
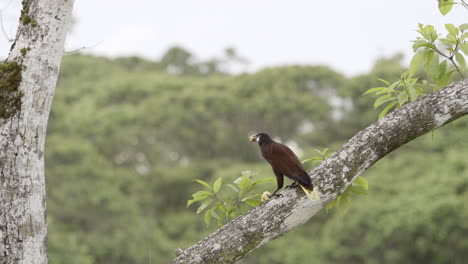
[27, 82]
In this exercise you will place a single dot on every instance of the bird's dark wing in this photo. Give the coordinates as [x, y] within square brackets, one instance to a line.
[283, 160]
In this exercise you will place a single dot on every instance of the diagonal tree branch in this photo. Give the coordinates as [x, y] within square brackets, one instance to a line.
[280, 215]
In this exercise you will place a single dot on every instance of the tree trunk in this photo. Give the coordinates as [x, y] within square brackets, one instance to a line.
[280, 215]
[27, 82]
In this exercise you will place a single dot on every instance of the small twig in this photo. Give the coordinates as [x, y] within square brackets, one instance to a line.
[74, 51]
[450, 58]
[80, 49]
[465, 5]
[3, 29]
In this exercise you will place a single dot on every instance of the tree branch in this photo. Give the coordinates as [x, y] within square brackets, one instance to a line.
[280, 215]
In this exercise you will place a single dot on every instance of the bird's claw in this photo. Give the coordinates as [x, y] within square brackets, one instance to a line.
[292, 185]
[274, 195]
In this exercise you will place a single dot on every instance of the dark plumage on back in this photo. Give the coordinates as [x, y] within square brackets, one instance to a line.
[283, 161]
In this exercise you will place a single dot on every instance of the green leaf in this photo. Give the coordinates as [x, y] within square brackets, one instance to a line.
[220, 222]
[461, 61]
[253, 202]
[416, 62]
[423, 32]
[244, 183]
[464, 48]
[313, 158]
[402, 98]
[376, 89]
[189, 202]
[386, 109]
[442, 69]
[358, 190]
[331, 204]
[463, 27]
[421, 43]
[204, 184]
[429, 33]
[453, 30]
[382, 92]
[214, 214]
[247, 173]
[233, 187]
[418, 44]
[432, 66]
[361, 181]
[449, 42]
[413, 94]
[383, 81]
[221, 207]
[265, 180]
[217, 185]
[443, 81]
[198, 196]
[393, 86]
[428, 55]
[204, 205]
[381, 100]
[445, 6]
[345, 204]
[203, 194]
[207, 217]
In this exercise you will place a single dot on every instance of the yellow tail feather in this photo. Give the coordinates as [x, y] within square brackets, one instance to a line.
[312, 196]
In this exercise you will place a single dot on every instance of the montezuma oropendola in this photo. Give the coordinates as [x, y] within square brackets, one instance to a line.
[283, 161]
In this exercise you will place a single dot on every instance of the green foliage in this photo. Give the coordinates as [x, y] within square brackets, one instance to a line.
[230, 206]
[397, 94]
[439, 57]
[323, 154]
[435, 53]
[445, 6]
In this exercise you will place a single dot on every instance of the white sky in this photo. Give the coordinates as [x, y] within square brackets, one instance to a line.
[346, 35]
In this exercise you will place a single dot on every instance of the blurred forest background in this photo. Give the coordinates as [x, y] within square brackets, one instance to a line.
[127, 136]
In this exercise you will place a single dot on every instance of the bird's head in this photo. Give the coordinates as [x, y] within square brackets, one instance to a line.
[260, 138]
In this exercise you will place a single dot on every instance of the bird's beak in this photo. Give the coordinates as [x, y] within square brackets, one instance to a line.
[252, 138]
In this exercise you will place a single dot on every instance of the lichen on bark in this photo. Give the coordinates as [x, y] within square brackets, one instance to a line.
[10, 96]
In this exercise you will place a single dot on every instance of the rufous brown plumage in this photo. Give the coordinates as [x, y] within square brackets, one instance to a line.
[283, 161]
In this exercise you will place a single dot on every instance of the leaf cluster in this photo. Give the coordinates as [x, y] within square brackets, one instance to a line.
[395, 95]
[439, 57]
[224, 209]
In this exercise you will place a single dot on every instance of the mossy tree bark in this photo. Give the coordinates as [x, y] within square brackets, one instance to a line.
[27, 82]
[280, 215]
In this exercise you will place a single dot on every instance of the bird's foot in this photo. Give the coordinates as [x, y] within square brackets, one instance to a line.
[267, 195]
[292, 185]
[274, 195]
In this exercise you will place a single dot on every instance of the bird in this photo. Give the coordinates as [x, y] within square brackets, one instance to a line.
[284, 162]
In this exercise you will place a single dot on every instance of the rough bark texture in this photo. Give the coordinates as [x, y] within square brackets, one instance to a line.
[28, 78]
[278, 216]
